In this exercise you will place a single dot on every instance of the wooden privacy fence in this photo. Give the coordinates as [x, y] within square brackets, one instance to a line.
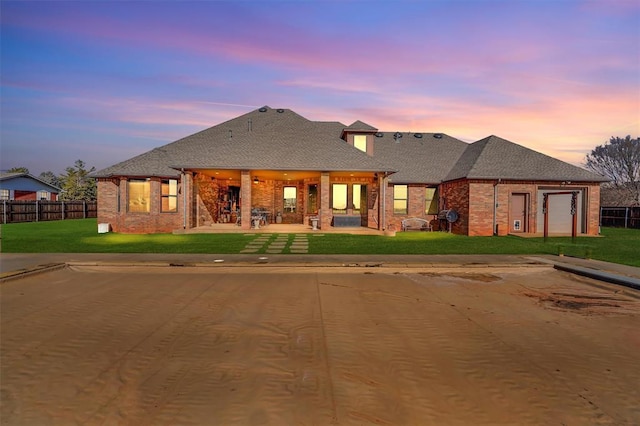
[40, 211]
[620, 217]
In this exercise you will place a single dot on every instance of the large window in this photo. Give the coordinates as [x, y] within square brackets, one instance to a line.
[339, 198]
[431, 201]
[169, 195]
[357, 191]
[139, 191]
[360, 142]
[4, 194]
[400, 196]
[290, 199]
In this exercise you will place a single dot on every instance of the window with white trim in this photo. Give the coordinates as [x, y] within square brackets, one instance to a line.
[400, 199]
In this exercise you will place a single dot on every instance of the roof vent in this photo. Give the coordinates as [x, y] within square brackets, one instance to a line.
[437, 135]
[280, 110]
[397, 136]
[379, 135]
[263, 109]
[417, 135]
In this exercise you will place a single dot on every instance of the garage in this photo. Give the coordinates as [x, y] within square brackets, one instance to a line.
[559, 209]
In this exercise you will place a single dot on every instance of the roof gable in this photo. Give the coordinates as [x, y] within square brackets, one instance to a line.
[497, 158]
[360, 126]
[25, 182]
[266, 138]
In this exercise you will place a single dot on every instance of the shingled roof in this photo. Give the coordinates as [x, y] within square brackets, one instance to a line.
[418, 157]
[271, 139]
[280, 139]
[495, 158]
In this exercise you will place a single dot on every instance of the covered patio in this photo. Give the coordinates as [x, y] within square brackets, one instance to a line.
[276, 228]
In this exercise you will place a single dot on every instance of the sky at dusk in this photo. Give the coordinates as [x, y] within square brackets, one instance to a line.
[103, 81]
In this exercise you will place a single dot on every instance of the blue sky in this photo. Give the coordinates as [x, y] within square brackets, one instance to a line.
[103, 81]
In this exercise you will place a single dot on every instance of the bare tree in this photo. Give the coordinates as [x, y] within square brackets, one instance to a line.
[619, 160]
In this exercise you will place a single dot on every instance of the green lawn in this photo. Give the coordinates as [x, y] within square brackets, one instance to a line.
[80, 236]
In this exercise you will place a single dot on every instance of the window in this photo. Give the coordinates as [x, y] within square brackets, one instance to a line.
[357, 191]
[43, 195]
[339, 197]
[290, 199]
[312, 199]
[169, 195]
[360, 142]
[400, 199]
[4, 194]
[431, 201]
[139, 194]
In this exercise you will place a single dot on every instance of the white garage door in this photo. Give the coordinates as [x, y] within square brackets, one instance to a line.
[559, 207]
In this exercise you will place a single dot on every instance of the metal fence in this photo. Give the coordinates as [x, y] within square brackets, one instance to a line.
[620, 217]
[40, 211]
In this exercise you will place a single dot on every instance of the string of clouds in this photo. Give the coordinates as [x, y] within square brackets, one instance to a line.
[104, 81]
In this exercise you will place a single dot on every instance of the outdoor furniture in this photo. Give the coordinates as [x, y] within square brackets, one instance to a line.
[347, 221]
[415, 224]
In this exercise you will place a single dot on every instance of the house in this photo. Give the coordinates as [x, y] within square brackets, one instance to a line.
[25, 187]
[275, 165]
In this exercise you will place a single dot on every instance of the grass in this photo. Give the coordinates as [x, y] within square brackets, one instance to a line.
[80, 236]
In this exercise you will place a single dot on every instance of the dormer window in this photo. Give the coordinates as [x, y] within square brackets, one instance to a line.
[360, 142]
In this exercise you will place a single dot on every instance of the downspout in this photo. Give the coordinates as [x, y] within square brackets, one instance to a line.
[383, 204]
[495, 206]
[184, 199]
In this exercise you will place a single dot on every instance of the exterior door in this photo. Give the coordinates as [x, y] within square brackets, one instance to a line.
[518, 213]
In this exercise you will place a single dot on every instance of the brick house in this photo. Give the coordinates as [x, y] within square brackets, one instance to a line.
[276, 165]
[20, 186]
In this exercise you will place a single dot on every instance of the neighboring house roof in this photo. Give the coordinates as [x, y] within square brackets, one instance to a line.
[25, 182]
[418, 157]
[270, 139]
[495, 158]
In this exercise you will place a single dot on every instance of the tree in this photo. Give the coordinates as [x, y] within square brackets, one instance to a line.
[18, 170]
[619, 160]
[76, 183]
[50, 178]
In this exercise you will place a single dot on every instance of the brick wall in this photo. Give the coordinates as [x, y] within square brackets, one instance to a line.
[416, 206]
[112, 209]
[455, 195]
[474, 202]
[593, 198]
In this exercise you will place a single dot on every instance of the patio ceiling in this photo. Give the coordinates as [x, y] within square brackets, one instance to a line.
[277, 174]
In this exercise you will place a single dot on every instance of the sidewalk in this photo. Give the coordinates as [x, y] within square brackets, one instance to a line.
[16, 264]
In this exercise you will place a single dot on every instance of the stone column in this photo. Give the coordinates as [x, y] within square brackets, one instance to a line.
[245, 195]
[325, 196]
